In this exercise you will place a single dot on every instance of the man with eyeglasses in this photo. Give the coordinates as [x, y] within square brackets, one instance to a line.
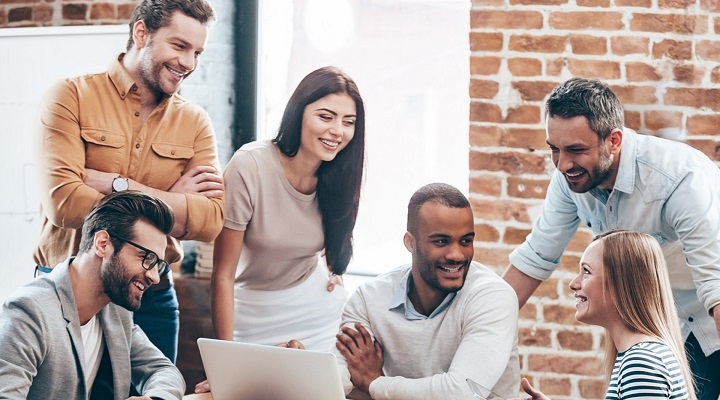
[70, 334]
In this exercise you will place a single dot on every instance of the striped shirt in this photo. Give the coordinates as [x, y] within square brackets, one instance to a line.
[647, 370]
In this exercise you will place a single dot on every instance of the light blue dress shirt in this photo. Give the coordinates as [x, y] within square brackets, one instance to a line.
[400, 301]
[664, 188]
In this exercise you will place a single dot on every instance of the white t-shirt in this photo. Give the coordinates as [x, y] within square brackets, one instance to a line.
[93, 345]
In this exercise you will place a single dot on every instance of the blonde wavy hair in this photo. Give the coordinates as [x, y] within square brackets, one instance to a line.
[636, 277]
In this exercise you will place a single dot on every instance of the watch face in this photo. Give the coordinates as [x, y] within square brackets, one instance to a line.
[119, 184]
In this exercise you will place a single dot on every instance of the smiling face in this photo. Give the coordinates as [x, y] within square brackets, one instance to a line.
[123, 277]
[578, 153]
[594, 304]
[442, 249]
[169, 55]
[328, 125]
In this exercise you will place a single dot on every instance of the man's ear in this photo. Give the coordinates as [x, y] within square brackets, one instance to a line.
[409, 241]
[140, 34]
[102, 245]
[615, 139]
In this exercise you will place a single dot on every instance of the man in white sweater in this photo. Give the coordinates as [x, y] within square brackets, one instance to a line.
[419, 331]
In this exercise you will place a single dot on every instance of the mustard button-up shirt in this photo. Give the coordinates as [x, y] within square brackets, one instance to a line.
[93, 121]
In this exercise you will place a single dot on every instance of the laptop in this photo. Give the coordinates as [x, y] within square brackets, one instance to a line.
[242, 371]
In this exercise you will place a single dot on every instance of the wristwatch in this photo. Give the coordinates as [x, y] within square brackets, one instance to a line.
[119, 184]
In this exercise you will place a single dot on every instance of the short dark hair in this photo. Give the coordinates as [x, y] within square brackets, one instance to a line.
[438, 193]
[591, 99]
[157, 14]
[118, 212]
[339, 180]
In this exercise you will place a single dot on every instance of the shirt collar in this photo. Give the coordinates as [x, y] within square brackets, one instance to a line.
[400, 301]
[120, 77]
[625, 180]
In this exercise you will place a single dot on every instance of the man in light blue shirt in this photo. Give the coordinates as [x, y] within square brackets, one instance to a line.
[609, 177]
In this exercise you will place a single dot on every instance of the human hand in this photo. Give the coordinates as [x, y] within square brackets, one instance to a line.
[716, 317]
[363, 354]
[292, 344]
[100, 181]
[202, 387]
[536, 394]
[140, 398]
[203, 180]
[334, 280]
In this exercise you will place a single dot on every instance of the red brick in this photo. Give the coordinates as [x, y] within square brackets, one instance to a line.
[514, 235]
[3, 17]
[675, 3]
[487, 2]
[528, 311]
[483, 89]
[554, 67]
[634, 3]
[526, 188]
[537, 44]
[42, 13]
[538, 2]
[587, 20]
[526, 138]
[534, 90]
[486, 135]
[492, 256]
[511, 162]
[711, 148]
[592, 388]
[632, 119]
[690, 74]
[124, 11]
[486, 233]
[703, 124]
[486, 41]
[708, 49]
[693, 97]
[74, 11]
[586, 44]
[534, 337]
[18, 1]
[548, 289]
[639, 72]
[659, 119]
[20, 14]
[579, 242]
[489, 185]
[710, 5]
[715, 75]
[524, 66]
[485, 112]
[672, 49]
[595, 69]
[668, 23]
[562, 364]
[717, 24]
[555, 313]
[555, 386]
[569, 263]
[484, 65]
[624, 45]
[102, 11]
[575, 340]
[593, 3]
[523, 115]
[500, 211]
[635, 94]
[504, 19]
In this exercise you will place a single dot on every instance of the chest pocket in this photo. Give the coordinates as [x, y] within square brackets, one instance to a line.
[168, 163]
[103, 149]
[596, 224]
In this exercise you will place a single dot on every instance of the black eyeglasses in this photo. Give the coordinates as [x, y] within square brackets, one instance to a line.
[150, 259]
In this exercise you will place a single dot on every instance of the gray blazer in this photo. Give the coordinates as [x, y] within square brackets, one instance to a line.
[41, 347]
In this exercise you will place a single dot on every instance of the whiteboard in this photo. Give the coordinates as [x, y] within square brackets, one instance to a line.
[32, 59]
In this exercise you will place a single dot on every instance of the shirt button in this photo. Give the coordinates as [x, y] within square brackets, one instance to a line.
[691, 319]
[610, 208]
[137, 113]
[172, 151]
[137, 145]
[102, 138]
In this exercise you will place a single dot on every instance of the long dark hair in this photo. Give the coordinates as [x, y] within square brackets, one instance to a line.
[339, 180]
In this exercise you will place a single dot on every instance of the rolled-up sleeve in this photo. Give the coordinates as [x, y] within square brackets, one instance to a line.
[540, 254]
[60, 159]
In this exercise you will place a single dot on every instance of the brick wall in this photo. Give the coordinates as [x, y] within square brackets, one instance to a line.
[23, 13]
[661, 57]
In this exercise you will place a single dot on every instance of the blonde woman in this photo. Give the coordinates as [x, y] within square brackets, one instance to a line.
[623, 286]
